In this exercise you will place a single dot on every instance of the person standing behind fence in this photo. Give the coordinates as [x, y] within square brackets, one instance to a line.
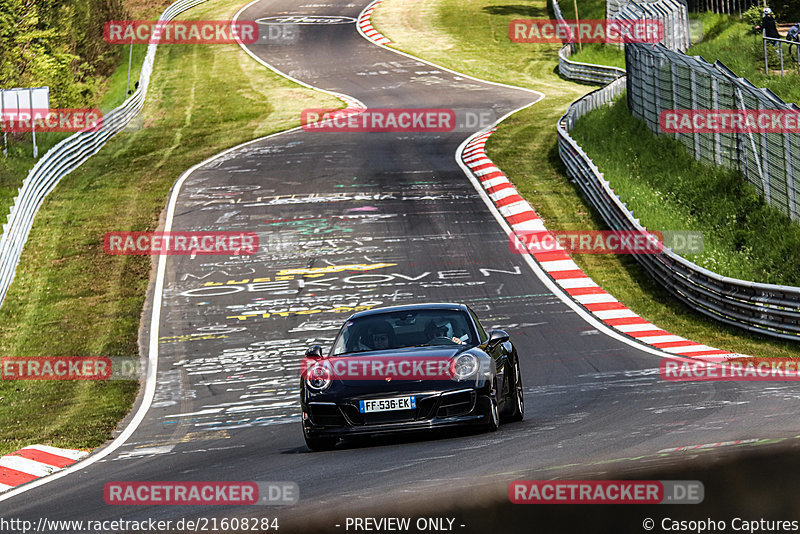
[769, 26]
[793, 35]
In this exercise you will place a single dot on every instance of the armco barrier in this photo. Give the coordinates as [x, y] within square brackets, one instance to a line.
[585, 72]
[582, 72]
[65, 157]
[763, 308]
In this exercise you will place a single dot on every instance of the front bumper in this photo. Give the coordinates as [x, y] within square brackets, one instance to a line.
[435, 409]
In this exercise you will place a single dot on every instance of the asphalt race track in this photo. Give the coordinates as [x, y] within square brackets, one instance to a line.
[349, 220]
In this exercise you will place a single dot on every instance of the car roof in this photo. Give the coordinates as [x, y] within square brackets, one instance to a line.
[411, 307]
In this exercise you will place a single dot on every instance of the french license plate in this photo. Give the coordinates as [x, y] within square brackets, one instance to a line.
[387, 405]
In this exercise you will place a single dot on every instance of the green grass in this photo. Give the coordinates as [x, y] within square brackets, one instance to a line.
[596, 54]
[587, 9]
[727, 39]
[114, 93]
[668, 189]
[15, 166]
[69, 298]
[468, 36]
[743, 53]
[599, 54]
[712, 24]
[704, 28]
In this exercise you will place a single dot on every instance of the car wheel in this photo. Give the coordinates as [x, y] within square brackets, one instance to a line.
[493, 414]
[320, 444]
[515, 398]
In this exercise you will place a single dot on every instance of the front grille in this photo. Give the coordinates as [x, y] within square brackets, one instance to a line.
[424, 410]
[457, 403]
[380, 418]
[325, 414]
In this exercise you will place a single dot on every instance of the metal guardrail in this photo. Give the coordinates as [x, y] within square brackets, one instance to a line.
[779, 44]
[65, 157]
[585, 72]
[662, 80]
[768, 309]
[582, 72]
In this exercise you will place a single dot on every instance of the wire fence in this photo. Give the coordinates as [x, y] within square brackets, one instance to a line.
[728, 7]
[65, 157]
[658, 80]
[778, 45]
[672, 15]
[661, 80]
[768, 309]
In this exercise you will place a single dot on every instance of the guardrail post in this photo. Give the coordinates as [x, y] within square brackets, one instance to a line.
[717, 136]
[790, 191]
[674, 72]
[765, 163]
[695, 135]
[766, 61]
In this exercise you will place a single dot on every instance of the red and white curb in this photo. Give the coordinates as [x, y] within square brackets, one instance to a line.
[354, 107]
[366, 28]
[34, 462]
[565, 272]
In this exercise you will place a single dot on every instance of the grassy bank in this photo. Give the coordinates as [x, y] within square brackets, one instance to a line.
[71, 299]
[727, 39]
[107, 92]
[703, 27]
[468, 35]
[743, 52]
[599, 54]
[669, 190]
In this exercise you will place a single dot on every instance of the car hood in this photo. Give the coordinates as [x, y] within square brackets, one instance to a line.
[433, 371]
[435, 352]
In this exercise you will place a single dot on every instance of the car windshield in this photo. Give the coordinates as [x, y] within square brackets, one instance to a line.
[400, 329]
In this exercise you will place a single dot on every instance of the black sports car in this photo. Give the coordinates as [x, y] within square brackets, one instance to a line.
[410, 367]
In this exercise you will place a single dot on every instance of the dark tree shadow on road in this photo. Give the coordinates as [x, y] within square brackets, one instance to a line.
[525, 11]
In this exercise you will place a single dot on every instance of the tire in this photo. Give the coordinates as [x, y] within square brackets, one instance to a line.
[493, 414]
[516, 397]
[320, 444]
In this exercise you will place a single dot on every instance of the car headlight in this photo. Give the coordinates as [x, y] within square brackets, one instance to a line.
[319, 377]
[464, 366]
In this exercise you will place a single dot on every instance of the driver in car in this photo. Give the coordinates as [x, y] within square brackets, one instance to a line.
[378, 337]
[443, 330]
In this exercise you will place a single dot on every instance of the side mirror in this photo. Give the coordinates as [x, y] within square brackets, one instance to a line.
[496, 337]
[314, 352]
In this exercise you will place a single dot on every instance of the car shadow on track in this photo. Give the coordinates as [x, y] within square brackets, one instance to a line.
[404, 438]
